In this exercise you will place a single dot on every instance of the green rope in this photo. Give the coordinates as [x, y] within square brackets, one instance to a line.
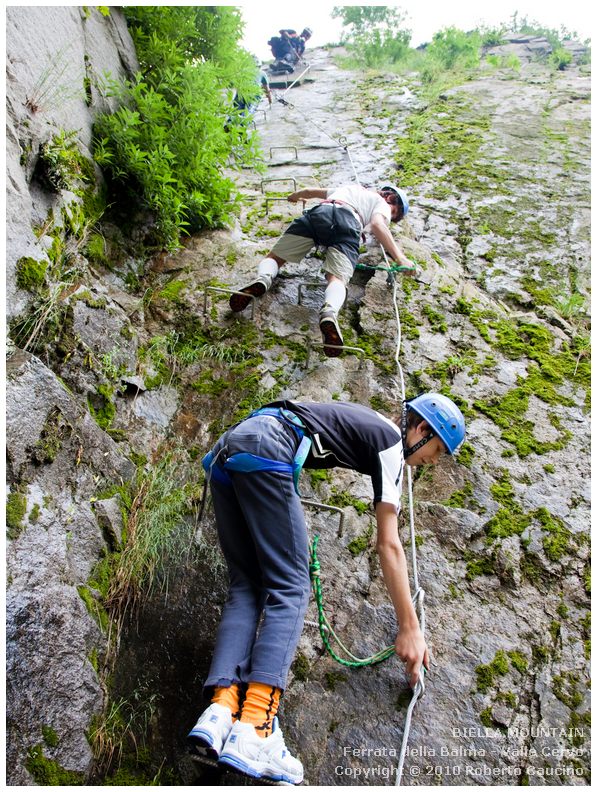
[325, 627]
[396, 268]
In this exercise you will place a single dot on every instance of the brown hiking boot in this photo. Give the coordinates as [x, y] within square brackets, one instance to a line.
[330, 331]
[261, 284]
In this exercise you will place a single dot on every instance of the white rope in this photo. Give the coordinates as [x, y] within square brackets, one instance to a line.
[419, 593]
[297, 79]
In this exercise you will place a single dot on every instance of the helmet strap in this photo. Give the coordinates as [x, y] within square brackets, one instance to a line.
[406, 450]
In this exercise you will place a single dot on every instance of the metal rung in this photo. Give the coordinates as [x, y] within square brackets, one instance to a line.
[310, 284]
[325, 507]
[271, 181]
[227, 291]
[261, 110]
[313, 344]
[283, 148]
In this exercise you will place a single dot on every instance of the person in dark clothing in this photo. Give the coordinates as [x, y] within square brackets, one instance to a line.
[253, 473]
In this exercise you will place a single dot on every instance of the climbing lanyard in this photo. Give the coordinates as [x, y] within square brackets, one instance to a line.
[419, 594]
[325, 626]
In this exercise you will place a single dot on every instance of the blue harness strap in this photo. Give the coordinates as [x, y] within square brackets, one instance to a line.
[244, 462]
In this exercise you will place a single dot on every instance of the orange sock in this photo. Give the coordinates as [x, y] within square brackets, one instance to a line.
[260, 705]
[228, 697]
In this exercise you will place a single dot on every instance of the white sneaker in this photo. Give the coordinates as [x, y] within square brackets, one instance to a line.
[261, 757]
[281, 765]
[211, 731]
[243, 750]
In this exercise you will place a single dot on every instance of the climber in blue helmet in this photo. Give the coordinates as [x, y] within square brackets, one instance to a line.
[253, 472]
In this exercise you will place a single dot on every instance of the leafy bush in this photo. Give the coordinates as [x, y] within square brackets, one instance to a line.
[451, 48]
[491, 37]
[560, 58]
[374, 36]
[166, 148]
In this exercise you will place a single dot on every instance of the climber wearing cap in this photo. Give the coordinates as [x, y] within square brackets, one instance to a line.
[253, 472]
[337, 224]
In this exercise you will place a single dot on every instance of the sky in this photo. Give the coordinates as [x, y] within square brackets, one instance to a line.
[424, 18]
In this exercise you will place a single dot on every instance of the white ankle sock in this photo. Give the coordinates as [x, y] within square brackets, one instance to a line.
[335, 294]
[268, 267]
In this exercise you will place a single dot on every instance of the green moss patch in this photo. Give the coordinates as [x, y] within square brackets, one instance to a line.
[31, 274]
[47, 772]
[487, 674]
[16, 509]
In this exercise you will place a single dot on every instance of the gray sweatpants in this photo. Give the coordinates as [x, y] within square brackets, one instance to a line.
[262, 532]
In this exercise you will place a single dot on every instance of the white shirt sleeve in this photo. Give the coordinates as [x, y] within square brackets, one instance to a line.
[392, 464]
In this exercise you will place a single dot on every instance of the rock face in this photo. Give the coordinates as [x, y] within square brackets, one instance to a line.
[499, 224]
[61, 458]
[59, 64]
[58, 457]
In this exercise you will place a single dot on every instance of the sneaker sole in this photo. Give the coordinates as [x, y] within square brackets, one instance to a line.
[331, 335]
[202, 745]
[238, 302]
[236, 763]
[282, 778]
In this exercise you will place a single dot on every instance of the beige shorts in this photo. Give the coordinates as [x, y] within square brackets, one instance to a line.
[294, 248]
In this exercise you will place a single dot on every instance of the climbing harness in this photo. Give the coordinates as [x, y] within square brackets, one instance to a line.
[244, 462]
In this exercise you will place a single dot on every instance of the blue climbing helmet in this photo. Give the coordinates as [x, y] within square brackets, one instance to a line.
[401, 194]
[442, 415]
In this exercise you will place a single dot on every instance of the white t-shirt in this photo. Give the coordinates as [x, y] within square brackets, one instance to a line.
[365, 202]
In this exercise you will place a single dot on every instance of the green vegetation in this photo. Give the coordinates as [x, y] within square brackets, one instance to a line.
[16, 509]
[118, 736]
[61, 165]
[167, 147]
[486, 717]
[510, 519]
[466, 454]
[518, 660]
[333, 678]
[566, 689]
[486, 674]
[301, 667]
[342, 498]
[50, 736]
[104, 409]
[373, 36]
[156, 532]
[557, 542]
[31, 274]
[478, 566]
[48, 772]
[361, 543]
[436, 320]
